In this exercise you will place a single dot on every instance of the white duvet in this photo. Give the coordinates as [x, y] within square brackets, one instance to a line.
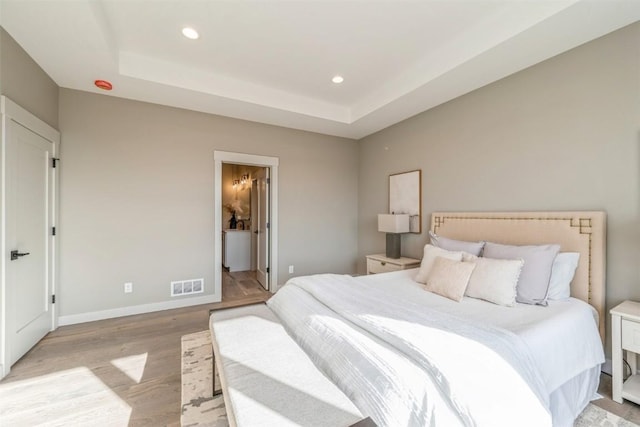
[563, 337]
[403, 363]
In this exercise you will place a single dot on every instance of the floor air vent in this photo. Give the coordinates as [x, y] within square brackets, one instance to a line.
[187, 287]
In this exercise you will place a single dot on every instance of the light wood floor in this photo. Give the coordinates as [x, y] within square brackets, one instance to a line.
[628, 410]
[96, 347]
[242, 286]
[155, 399]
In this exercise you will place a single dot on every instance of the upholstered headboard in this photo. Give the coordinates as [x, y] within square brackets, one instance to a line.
[583, 232]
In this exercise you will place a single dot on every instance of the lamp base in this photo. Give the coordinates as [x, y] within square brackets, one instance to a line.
[393, 245]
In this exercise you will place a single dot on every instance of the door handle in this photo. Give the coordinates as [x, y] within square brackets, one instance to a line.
[15, 255]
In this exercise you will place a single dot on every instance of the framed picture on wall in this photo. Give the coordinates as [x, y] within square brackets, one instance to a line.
[405, 197]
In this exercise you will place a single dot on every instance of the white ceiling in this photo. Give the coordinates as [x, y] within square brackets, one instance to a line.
[272, 61]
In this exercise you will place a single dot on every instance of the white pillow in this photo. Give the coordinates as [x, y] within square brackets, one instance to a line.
[562, 272]
[449, 278]
[430, 254]
[495, 280]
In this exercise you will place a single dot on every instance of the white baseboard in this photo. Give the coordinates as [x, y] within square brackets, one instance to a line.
[134, 309]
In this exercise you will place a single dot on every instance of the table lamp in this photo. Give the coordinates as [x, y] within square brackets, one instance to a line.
[393, 225]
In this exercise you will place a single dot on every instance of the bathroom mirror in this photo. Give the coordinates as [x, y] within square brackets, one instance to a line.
[236, 196]
[244, 200]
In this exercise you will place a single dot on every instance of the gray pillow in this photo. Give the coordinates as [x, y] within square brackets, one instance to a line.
[473, 248]
[533, 284]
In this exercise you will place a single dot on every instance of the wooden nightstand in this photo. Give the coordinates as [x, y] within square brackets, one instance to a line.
[379, 263]
[625, 328]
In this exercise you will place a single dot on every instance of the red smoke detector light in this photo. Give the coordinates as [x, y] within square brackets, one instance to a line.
[103, 84]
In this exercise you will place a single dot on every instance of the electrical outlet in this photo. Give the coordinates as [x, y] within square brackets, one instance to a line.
[291, 269]
[128, 288]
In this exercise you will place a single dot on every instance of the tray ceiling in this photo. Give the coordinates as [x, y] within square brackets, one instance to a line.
[273, 61]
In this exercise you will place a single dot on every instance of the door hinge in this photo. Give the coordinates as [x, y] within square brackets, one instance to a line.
[267, 269]
[268, 225]
[53, 231]
[268, 180]
[54, 161]
[53, 299]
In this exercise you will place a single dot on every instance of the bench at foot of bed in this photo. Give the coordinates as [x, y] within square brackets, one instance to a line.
[267, 379]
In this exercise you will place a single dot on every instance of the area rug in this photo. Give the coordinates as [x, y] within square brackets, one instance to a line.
[200, 408]
[594, 416]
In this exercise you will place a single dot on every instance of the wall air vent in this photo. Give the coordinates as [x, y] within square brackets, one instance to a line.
[187, 287]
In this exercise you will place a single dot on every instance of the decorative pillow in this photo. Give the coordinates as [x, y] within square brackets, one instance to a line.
[562, 272]
[474, 248]
[495, 280]
[533, 284]
[449, 278]
[430, 254]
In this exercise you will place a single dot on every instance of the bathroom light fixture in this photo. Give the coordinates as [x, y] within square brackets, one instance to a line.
[337, 79]
[393, 225]
[245, 179]
[190, 33]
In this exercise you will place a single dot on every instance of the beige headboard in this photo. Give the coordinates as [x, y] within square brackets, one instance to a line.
[583, 232]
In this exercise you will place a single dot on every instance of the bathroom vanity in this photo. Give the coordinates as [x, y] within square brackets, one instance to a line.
[236, 250]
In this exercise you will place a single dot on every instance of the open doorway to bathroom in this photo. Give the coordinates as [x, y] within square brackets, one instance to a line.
[245, 237]
[245, 226]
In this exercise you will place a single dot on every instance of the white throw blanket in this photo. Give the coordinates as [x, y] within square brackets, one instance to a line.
[403, 364]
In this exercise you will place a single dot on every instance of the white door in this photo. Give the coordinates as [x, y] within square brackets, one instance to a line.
[254, 223]
[29, 242]
[262, 256]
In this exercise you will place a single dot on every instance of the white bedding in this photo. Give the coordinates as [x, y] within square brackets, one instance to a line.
[383, 384]
[566, 355]
[568, 328]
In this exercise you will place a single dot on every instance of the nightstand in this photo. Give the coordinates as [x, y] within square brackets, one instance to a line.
[625, 328]
[379, 263]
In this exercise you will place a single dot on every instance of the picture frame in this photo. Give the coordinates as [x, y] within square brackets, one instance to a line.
[405, 197]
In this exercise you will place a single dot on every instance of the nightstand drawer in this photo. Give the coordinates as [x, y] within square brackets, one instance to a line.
[375, 266]
[379, 263]
[631, 335]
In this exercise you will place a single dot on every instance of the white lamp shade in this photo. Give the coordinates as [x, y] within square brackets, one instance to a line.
[389, 223]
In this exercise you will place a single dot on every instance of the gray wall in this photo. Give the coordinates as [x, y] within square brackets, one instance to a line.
[22, 80]
[25, 83]
[561, 135]
[137, 198]
[137, 179]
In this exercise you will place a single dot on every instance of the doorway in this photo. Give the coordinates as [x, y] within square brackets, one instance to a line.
[245, 233]
[28, 256]
[261, 174]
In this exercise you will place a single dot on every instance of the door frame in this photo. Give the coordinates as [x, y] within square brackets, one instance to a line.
[272, 163]
[10, 111]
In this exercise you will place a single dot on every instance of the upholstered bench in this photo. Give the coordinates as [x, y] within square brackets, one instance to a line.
[267, 379]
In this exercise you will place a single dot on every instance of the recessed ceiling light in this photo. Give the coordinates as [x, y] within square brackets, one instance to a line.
[190, 33]
[337, 79]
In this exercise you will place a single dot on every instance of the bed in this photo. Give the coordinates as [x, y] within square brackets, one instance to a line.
[381, 347]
